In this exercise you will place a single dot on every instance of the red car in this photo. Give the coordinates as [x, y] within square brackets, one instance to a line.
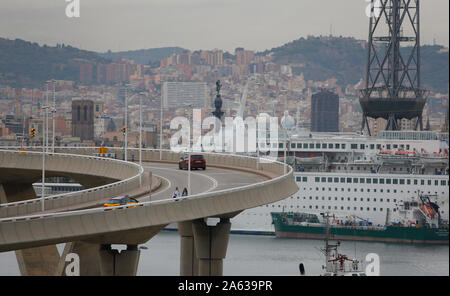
[197, 162]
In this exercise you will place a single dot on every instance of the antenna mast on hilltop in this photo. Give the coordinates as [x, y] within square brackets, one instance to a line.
[393, 72]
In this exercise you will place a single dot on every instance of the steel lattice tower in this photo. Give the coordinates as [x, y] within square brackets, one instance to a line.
[393, 64]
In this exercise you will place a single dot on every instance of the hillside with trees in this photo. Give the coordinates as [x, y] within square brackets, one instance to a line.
[27, 64]
[144, 56]
[345, 58]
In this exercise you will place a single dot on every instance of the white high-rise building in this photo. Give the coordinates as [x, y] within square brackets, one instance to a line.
[180, 94]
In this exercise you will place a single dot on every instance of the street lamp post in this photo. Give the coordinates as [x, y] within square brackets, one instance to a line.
[285, 129]
[257, 154]
[287, 124]
[46, 116]
[189, 168]
[161, 125]
[285, 144]
[44, 150]
[140, 135]
[189, 152]
[53, 117]
[126, 120]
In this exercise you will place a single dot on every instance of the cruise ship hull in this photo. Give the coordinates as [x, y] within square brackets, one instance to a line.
[349, 180]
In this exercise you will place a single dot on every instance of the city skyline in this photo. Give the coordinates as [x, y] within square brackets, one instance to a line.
[198, 24]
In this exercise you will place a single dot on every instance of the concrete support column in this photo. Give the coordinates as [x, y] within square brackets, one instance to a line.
[14, 192]
[96, 259]
[40, 261]
[124, 263]
[89, 258]
[188, 258]
[211, 244]
[3, 198]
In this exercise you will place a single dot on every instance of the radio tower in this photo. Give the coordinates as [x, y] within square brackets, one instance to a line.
[393, 65]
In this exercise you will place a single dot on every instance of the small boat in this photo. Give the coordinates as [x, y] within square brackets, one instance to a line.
[420, 212]
[399, 156]
[433, 158]
[313, 159]
[336, 264]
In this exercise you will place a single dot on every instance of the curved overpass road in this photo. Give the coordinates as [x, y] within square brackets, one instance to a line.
[230, 185]
[201, 182]
[208, 180]
[225, 178]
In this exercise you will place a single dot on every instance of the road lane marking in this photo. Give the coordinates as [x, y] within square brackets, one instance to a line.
[214, 181]
[167, 188]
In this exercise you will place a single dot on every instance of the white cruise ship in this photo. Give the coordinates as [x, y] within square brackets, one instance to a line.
[358, 176]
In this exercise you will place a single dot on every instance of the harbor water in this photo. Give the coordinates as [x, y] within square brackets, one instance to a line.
[257, 255]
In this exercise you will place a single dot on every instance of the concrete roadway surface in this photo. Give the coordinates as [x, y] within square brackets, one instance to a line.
[211, 179]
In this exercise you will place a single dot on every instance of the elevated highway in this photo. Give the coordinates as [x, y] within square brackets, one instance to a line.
[102, 177]
[90, 232]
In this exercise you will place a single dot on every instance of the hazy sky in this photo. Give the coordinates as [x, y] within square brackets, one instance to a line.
[198, 24]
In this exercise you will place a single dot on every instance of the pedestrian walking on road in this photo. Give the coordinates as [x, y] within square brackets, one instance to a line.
[185, 192]
[176, 193]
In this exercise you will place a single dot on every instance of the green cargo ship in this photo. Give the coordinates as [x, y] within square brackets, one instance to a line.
[308, 226]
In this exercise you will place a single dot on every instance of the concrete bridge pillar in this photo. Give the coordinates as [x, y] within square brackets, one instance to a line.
[188, 258]
[203, 247]
[40, 261]
[97, 259]
[89, 258]
[211, 243]
[3, 198]
[124, 263]
[14, 192]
